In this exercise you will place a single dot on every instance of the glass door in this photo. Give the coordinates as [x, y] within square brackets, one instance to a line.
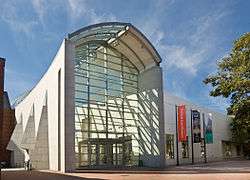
[102, 154]
[93, 155]
[117, 154]
[110, 154]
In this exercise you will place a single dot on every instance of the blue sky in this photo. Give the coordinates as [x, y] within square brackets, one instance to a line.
[191, 36]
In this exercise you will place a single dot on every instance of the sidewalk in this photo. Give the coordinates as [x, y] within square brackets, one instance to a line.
[229, 170]
[235, 166]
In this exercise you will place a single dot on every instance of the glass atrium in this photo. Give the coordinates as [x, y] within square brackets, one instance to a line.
[106, 104]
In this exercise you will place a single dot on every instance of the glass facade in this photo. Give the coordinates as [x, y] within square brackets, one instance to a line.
[106, 107]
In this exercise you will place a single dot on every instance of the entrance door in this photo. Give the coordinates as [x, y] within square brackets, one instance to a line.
[102, 154]
[93, 155]
[105, 153]
[108, 154]
[117, 154]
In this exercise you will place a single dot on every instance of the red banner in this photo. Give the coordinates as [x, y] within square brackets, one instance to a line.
[182, 130]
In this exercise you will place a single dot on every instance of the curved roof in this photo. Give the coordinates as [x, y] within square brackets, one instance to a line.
[125, 38]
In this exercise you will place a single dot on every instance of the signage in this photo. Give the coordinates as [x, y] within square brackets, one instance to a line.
[196, 118]
[209, 129]
[182, 129]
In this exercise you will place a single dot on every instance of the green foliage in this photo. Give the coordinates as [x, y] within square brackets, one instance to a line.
[232, 80]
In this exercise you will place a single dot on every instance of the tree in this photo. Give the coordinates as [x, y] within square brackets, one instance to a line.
[232, 80]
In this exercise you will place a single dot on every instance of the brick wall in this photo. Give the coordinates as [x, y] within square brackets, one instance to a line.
[2, 64]
[7, 130]
[7, 119]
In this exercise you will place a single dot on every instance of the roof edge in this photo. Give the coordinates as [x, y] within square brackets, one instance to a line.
[77, 32]
[70, 35]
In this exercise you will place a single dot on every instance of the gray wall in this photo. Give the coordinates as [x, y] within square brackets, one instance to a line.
[151, 119]
[69, 132]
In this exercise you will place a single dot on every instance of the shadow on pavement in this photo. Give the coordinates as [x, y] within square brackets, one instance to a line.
[38, 175]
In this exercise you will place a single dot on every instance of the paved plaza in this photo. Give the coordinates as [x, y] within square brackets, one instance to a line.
[228, 170]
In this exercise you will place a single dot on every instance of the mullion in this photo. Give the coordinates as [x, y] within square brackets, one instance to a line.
[84, 84]
[113, 55]
[78, 68]
[100, 79]
[132, 67]
[89, 63]
[117, 118]
[111, 105]
[120, 91]
[113, 110]
[83, 100]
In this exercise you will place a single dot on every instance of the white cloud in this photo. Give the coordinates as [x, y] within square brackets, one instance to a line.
[197, 44]
[185, 49]
[76, 10]
[181, 58]
[10, 16]
[205, 26]
[178, 89]
[80, 9]
[40, 9]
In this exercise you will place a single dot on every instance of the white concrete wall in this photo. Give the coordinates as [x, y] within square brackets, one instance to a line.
[221, 130]
[49, 84]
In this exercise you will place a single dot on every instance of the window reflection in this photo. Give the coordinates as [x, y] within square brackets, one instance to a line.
[106, 107]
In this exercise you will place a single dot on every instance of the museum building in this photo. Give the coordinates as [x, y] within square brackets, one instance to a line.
[101, 104]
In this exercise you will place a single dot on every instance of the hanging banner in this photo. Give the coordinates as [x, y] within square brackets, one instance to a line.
[209, 129]
[196, 118]
[182, 130]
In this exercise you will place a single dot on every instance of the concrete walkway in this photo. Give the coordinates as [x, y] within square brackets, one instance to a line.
[228, 170]
[216, 167]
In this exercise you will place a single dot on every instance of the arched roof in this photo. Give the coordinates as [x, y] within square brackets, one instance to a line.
[125, 38]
